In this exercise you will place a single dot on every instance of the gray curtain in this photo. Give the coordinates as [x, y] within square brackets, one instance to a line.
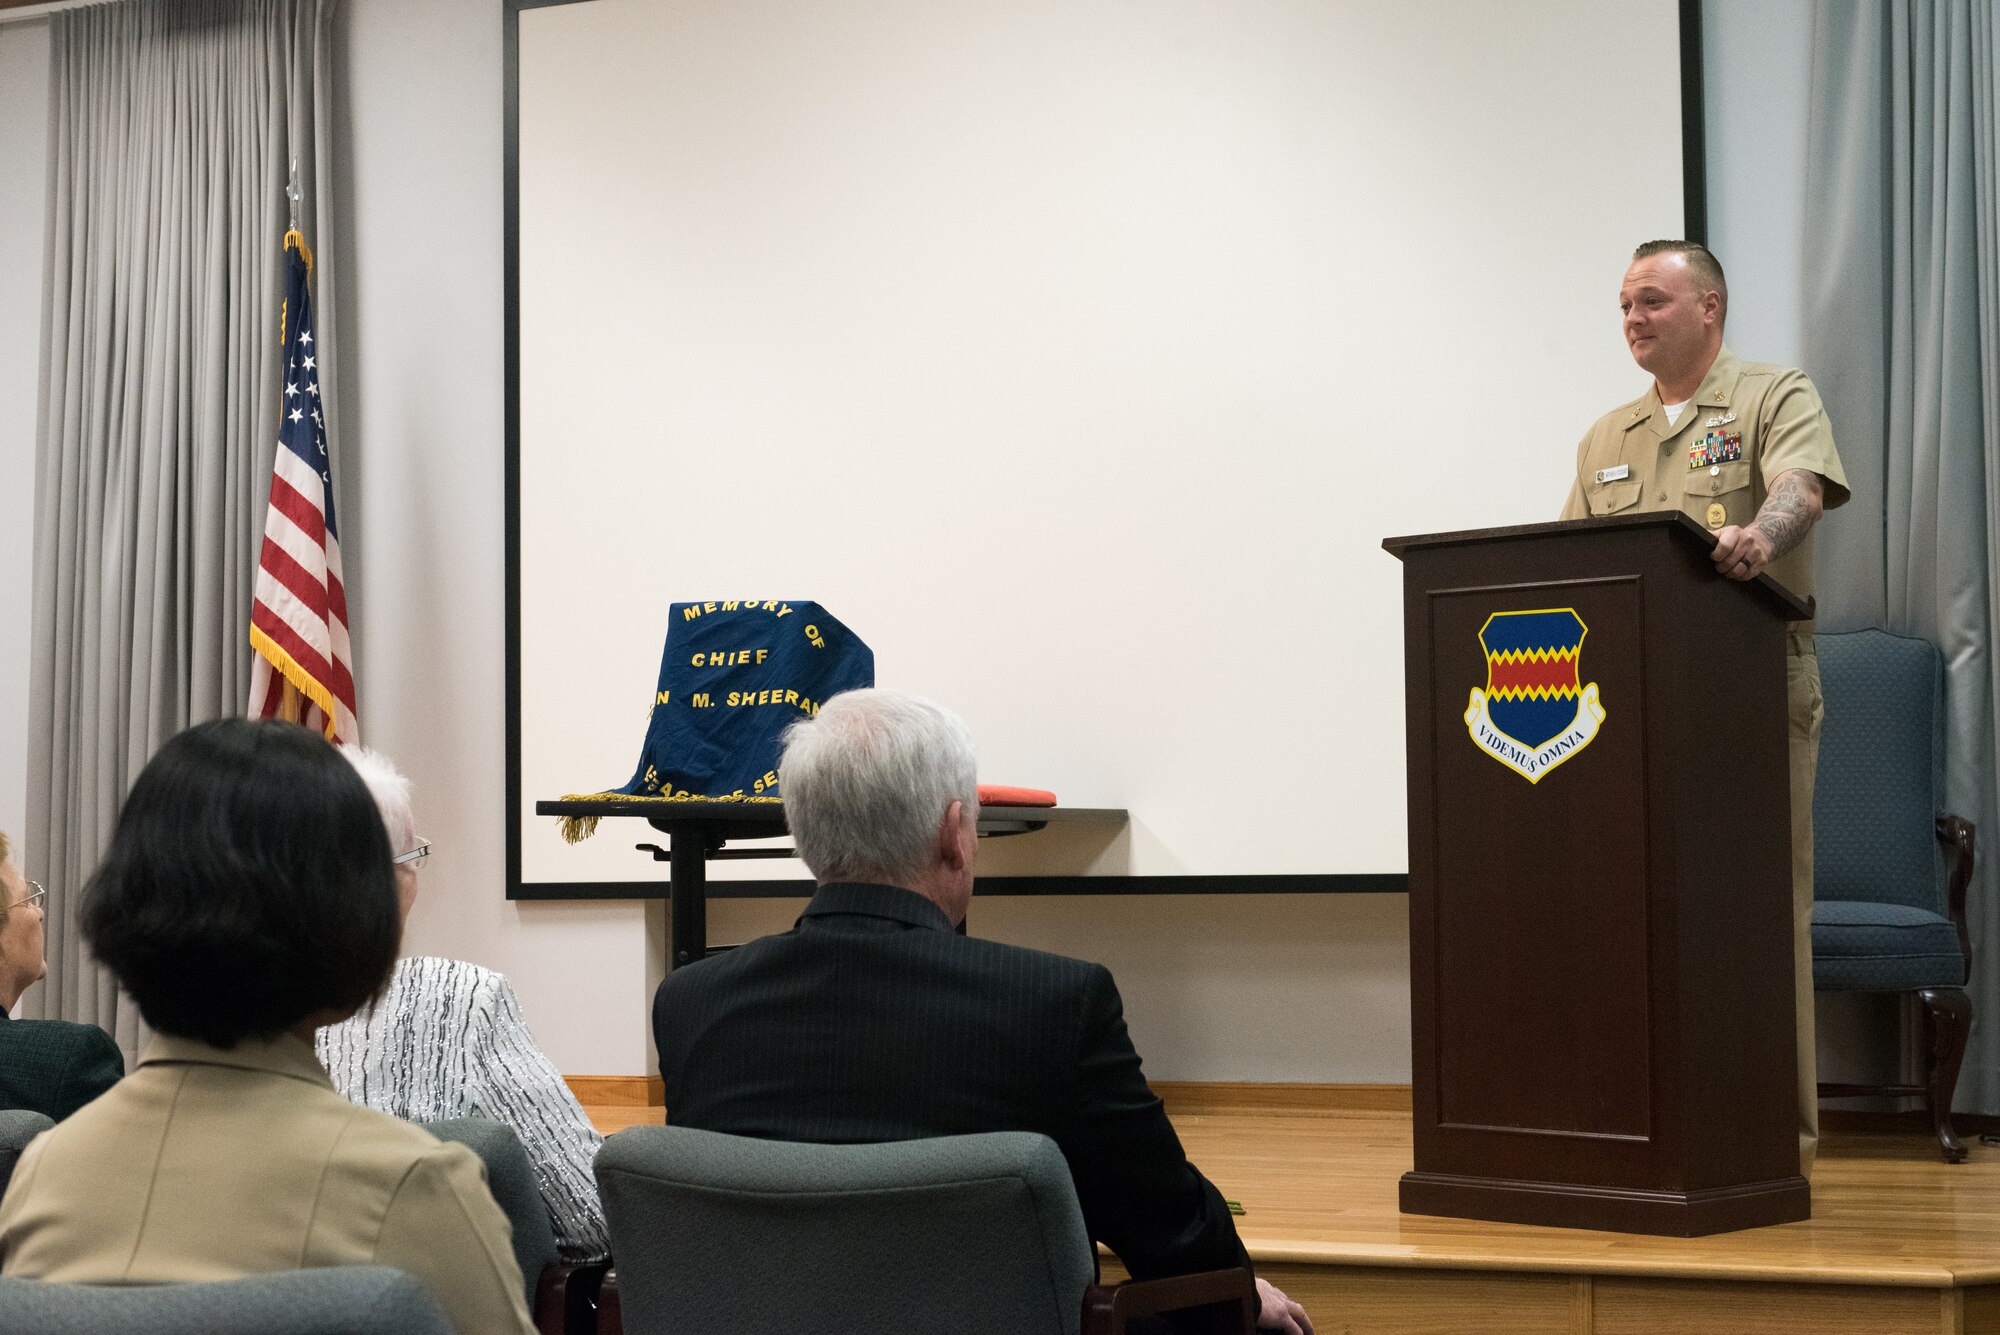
[173, 127]
[1902, 306]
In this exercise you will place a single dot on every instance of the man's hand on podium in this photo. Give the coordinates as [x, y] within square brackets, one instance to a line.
[1741, 553]
[1794, 505]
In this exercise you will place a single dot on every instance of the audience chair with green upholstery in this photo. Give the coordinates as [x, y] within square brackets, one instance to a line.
[337, 1300]
[562, 1297]
[978, 1235]
[18, 1126]
[1890, 868]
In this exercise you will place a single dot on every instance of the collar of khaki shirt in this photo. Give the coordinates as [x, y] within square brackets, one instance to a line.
[282, 1055]
[1714, 392]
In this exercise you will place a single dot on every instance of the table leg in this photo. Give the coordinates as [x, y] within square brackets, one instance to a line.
[687, 866]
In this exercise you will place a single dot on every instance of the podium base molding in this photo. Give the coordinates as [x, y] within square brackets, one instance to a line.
[1673, 1214]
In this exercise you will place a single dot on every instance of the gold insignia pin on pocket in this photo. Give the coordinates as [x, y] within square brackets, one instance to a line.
[1716, 514]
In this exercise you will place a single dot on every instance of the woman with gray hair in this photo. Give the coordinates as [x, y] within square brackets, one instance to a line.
[52, 1067]
[447, 1039]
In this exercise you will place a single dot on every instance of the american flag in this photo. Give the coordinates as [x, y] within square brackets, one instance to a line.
[302, 667]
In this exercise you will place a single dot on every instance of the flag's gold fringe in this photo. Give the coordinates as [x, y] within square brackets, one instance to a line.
[298, 677]
[576, 829]
[615, 796]
[296, 239]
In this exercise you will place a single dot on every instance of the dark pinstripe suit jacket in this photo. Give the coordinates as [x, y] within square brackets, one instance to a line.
[872, 1020]
[55, 1067]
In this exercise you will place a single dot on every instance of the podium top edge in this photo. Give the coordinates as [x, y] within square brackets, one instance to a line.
[1648, 519]
[1790, 605]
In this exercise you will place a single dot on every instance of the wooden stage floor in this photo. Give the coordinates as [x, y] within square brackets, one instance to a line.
[1899, 1241]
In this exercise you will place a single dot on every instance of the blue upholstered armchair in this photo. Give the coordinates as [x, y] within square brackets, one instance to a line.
[1889, 871]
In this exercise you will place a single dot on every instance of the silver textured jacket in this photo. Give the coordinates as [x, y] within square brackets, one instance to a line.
[447, 1039]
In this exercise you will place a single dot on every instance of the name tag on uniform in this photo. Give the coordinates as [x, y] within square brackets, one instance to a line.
[1618, 474]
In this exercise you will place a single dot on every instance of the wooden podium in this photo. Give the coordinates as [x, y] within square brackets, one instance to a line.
[1600, 881]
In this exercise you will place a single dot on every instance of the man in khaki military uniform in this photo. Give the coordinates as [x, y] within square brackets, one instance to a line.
[1745, 449]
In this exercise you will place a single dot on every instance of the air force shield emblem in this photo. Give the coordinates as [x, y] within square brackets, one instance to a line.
[1534, 713]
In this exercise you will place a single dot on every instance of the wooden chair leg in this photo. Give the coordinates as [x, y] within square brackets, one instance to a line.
[1211, 1302]
[566, 1298]
[610, 1307]
[1947, 1024]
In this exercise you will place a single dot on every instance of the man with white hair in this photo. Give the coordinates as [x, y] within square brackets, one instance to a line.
[873, 1020]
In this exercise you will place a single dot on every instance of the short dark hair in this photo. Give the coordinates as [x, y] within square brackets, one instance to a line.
[248, 885]
[1701, 260]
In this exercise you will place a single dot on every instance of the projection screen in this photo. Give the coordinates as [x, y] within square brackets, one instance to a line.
[1078, 354]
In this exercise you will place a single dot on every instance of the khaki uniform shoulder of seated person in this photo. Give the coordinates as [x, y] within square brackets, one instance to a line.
[207, 1164]
[1747, 424]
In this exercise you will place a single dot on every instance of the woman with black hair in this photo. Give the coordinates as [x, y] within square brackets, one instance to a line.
[248, 899]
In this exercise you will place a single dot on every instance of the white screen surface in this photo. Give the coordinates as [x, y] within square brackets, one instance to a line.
[1078, 356]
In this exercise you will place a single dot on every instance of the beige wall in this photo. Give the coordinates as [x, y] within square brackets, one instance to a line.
[419, 421]
[1217, 987]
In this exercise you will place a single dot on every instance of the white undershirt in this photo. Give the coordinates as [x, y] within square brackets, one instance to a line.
[1674, 410]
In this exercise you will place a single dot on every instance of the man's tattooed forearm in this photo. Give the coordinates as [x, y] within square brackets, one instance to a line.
[1790, 511]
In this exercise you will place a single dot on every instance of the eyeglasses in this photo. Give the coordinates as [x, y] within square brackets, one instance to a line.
[415, 855]
[36, 894]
